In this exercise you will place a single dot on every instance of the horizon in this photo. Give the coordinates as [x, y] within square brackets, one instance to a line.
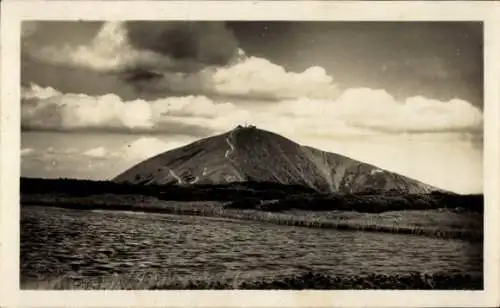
[99, 97]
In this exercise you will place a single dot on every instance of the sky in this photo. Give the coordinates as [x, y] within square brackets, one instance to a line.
[99, 97]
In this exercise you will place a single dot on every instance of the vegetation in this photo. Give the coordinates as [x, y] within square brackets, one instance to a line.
[194, 192]
[436, 215]
[273, 197]
[367, 203]
[308, 280]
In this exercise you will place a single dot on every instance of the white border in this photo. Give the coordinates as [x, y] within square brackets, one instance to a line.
[15, 11]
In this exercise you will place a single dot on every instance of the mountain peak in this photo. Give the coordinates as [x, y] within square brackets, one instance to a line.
[248, 127]
[246, 131]
[247, 153]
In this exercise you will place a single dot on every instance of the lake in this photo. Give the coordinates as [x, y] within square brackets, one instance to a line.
[83, 244]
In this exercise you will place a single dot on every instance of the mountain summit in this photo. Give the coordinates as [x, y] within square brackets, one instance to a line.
[251, 154]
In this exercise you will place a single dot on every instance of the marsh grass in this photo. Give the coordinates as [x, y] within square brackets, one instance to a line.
[307, 280]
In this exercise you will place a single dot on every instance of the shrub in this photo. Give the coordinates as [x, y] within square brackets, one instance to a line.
[244, 203]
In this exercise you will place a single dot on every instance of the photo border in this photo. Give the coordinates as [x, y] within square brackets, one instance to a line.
[13, 12]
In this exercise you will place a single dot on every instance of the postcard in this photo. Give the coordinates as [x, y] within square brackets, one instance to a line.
[260, 154]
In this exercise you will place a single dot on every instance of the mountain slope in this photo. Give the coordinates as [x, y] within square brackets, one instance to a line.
[250, 154]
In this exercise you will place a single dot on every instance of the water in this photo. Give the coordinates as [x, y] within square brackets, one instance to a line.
[94, 243]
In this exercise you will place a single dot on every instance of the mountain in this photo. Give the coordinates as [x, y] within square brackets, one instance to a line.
[251, 154]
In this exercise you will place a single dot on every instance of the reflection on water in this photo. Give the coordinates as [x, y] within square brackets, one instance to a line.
[93, 243]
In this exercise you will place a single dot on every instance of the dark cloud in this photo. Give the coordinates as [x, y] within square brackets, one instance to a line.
[151, 84]
[191, 45]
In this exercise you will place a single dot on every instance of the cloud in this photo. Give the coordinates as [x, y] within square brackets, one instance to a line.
[259, 77]
[96, 152]
[48, 109]
[202, 43]
[76, 111]
[26, 151]
[39, 93]
[357, 111]
[362, 112]
[376, 110]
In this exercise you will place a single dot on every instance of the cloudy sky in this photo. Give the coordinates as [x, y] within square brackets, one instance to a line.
[98, 97]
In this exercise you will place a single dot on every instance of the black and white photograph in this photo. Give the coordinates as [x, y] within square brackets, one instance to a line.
[251, 155]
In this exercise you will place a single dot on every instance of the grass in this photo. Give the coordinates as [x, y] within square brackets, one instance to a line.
[307, 280]
[433, 223]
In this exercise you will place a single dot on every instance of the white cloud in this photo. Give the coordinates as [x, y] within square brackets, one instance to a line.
[364, 111]
[110, 50]
[356, 111]
[45, 108]
[39, 93]
[96, 152]
[259, 77]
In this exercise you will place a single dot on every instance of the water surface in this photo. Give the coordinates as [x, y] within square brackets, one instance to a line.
[93, 243]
